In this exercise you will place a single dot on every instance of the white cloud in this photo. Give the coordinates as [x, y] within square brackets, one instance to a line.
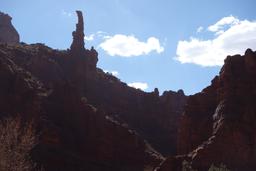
[234, 39]
[114, 73]
[129, 46]
[199, 29]
[139, 85]
[89, 37]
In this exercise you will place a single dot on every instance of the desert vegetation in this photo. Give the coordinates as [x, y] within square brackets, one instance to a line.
[186, 166]
[17, 139]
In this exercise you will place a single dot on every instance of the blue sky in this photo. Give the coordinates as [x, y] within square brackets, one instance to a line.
[168, 44]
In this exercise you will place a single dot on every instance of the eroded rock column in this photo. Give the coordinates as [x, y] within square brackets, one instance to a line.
[78, 35]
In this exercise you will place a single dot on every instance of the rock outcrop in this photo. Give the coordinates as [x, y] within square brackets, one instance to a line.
[218, 125]
[8, 33]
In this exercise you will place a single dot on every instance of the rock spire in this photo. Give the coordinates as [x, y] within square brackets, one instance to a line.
[78, 35]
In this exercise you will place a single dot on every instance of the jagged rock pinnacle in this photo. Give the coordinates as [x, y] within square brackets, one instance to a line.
[78, 35]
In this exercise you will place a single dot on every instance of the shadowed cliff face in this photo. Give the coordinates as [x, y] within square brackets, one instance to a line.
[8, 33]
[219, 123]
[58, 88]
[74, 135]
[154, 117]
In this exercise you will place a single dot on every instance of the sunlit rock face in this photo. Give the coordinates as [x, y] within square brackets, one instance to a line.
[219, 123]
[8, 33]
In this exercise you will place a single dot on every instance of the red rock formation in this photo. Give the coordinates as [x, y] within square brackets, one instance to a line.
[73, 134]
[8, 33]
[219, 123]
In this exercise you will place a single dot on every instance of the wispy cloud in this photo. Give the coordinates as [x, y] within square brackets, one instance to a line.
[98, 35]
[218, 27]
[89, 37]
[199, 29]
[130, 46]
[65, 13]
[114, 73]
[231, 36]
[139, 85]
